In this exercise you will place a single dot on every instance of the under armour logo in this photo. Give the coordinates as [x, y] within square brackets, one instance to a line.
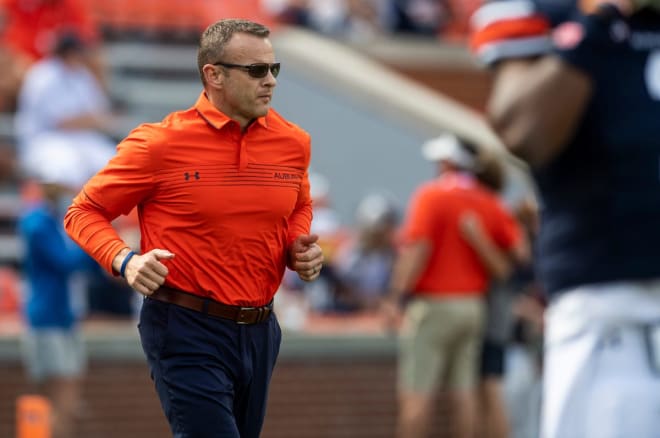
[186, 175]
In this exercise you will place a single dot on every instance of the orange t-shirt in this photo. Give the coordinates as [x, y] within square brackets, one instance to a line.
[227, 204]
[434, 212]
[33, 26]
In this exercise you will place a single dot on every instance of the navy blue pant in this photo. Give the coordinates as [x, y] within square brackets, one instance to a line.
[211, 374]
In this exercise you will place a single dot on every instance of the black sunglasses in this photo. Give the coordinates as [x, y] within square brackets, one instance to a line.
[258, 70]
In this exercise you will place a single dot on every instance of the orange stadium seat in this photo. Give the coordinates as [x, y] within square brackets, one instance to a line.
[9, 291]
[214, 10]
[172, 15]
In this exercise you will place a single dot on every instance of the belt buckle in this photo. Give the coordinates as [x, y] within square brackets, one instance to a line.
[242, 313]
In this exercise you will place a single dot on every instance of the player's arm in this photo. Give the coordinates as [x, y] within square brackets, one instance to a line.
[536, 99]
[536, 104]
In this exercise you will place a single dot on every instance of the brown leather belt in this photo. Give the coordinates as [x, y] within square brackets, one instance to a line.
[207, 306]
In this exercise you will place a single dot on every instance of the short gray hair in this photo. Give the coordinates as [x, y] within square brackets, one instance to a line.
[214, 39]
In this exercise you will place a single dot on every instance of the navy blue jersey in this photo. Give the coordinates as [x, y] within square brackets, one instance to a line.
[601, 196]
[557, 11]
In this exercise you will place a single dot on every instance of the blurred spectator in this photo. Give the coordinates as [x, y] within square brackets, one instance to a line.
[64, 110]
[324, 16]
[351, 19]
[362, 20]
[327, 16]
[62, 107]
[326, 223]
[109, 297]
[492, 412]
[446, 277]
[368, 19]
[518, 329]
[322, 294]
[421, 17]
[292, 12]
[53, 347]
[30, 30]
[364, 265]
[325, 295]
[523, 359]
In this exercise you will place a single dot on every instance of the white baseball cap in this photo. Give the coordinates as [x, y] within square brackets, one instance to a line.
[377, 209]
[319, 186]
[448, 147]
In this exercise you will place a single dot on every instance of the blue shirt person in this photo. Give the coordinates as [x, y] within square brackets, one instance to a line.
[52, 344]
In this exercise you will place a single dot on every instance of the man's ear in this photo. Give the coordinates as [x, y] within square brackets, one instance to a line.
[213, 76]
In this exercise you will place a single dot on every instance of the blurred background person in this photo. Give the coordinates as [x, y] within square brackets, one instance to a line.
[63, 107]
[52, 344]
[421, 17]
[325, 16]
[596, 168]
[492, 410]
[325, 295]
[364, 264]
[522, 360]
[444, 278]
[356, 20]
[368, 19]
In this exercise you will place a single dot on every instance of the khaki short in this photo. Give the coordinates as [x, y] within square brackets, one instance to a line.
[53, 353]
[439, 343]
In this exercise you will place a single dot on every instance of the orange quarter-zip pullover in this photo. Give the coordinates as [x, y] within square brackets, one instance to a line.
[227, 204]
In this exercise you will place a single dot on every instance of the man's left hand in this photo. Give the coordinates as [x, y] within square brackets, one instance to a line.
[306, 257]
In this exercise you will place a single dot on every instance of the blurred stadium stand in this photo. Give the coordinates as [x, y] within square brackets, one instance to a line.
[149, 80]
[173, 21]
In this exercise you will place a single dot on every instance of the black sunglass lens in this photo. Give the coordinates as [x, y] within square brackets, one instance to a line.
[275, 69]
[261, 70]
[258, 70]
